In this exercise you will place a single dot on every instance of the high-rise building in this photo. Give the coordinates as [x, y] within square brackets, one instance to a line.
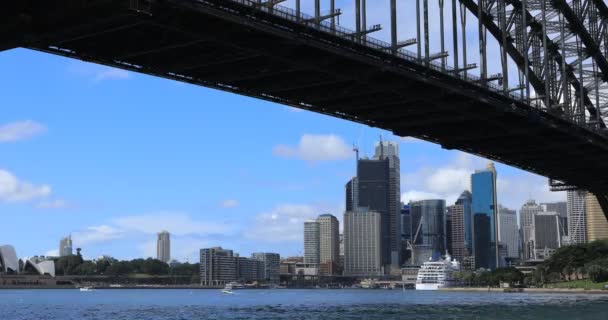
[406, 223]
[466, 201]
[218, 266]
[163, 246]
[483, 187]
[390, 150]
[312, 242]
[577, 216]
[447, 229]
[362, 243]
[65, 246]
[483, 250]
[547, 237]
[597, 224]
[509, 232]
[562, 211]
[270, 267]
[329, 235]
[526, 214]
[352, 194]
[458, 247]
[428, 227]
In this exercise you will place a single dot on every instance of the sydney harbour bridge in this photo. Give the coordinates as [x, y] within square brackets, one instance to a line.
[544, 111]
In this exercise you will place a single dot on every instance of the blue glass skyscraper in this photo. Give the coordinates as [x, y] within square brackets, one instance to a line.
[483, 186]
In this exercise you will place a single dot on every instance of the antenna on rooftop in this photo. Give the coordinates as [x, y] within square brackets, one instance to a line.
[356, 150]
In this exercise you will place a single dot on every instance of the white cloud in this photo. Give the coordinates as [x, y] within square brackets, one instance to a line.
[230, 203]
[283, 223]
[21, 130]
[13, 189]
[95, 234]
[53, 204]
[314, 148]
[175, 223]
[449, 180]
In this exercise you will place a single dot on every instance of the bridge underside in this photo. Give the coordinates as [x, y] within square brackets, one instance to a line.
[249, 52]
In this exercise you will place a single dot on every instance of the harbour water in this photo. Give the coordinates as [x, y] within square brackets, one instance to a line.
[295, 304]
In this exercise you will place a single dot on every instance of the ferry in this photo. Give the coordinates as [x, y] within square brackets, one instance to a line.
[437, 274]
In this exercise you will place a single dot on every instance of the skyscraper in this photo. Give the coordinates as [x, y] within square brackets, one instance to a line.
[163, 246]
[458, 247]
[483, 186]
[329, 235]
[312, 242]
[597, 225]
[466, 201]
[509, 232]
[377, 188]
[362, 243]
[483, 251]
[577, 216]
[562, 211]
[547, 237]
[390, 150]
[527, 213]
[65, 246]
[428, 229]
[271, 264]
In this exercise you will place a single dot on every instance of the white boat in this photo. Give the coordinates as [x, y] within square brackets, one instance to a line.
[434, 275]
[227, 291]
[87, 289]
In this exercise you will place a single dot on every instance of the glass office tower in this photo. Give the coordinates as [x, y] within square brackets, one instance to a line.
[483, 187]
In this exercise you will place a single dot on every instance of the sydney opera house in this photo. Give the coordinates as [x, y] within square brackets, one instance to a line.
[9, 264]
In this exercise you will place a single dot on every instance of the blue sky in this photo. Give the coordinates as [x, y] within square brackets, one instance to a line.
[113, 157]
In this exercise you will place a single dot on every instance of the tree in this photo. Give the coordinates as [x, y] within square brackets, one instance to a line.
[598, 270]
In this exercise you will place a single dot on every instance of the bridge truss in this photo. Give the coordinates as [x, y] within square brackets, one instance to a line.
[545, 110]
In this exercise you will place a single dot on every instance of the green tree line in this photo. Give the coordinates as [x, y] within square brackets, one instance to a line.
[76, 265]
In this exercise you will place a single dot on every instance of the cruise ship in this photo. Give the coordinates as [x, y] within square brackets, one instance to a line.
[437, 274]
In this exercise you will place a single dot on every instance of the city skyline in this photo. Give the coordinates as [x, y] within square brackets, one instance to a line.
[113, 184]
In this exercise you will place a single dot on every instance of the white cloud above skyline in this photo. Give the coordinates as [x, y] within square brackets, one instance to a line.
[13, 189]
[21, 130]
[450, 179]
[315, 148]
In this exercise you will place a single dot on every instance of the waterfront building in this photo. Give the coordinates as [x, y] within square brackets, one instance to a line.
[329, 244]
[597, 224]
[483, 187]
[527, 213]
[9, 264]
[341, 259]
[458, 248]
[270, 266]
[163, 246]
[218, 266]
[509, 232]
[312, 242]
[362, 243]
[547, 237]
[577, 216]
[428, 227]
[65, 246]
